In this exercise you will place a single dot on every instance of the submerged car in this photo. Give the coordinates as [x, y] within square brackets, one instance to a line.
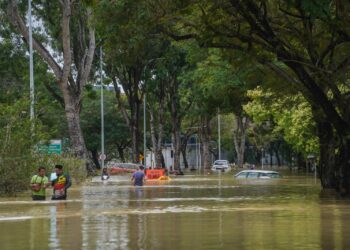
[221, 166]
[258, 174]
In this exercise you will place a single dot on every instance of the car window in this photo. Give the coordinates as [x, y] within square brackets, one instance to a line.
[253, 175]
[274, 175]
[263, 175]
[242, 175]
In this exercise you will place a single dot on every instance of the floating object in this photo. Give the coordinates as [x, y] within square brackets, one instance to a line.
[164, 178]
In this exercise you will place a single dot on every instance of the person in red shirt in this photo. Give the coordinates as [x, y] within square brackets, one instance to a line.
[60, 184]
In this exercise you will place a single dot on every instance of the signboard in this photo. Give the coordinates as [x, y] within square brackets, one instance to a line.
[55, 147]
[102, 157]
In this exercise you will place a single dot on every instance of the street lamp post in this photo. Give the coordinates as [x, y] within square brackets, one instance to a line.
[219, 134]
[102, 116]
[144, 127]
[262, 158]
[197, 158]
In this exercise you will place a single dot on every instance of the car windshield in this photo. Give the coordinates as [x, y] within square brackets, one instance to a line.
[220, 163]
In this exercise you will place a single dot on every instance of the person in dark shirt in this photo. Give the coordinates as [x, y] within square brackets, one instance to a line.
[138, 178]
[105, 174]
[60, 184]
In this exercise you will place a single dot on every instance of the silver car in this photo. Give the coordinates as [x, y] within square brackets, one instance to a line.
[258, 174]
[221, 166]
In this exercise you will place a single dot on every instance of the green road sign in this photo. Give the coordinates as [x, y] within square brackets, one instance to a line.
[55, 147]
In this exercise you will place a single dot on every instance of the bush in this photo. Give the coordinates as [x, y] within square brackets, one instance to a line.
[19, 159]
[73, 166]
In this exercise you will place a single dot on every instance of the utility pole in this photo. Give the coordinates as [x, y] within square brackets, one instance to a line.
[144, 127]
[103, 156]
[262, 158]
[219, 134]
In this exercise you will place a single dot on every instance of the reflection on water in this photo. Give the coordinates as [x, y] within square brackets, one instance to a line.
[190, 212]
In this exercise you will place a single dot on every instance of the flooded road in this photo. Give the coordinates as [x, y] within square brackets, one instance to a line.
[188, 212]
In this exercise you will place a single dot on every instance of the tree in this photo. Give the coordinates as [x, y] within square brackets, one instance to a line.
[132, 47]
[304, 42]
[116, 133]
[221, 85]
[294, 123]
[75, 48]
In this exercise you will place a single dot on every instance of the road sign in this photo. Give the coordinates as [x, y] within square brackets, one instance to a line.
[102, 157]
[55, 147]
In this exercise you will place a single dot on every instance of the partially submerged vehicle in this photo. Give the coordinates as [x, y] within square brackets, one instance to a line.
[221, 166]
[258, 174]
[122, 168]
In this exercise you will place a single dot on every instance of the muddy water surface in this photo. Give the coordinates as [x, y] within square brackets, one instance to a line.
[189, 212]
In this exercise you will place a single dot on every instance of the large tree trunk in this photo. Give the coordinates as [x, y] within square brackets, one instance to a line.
[327, 158]
[130, 80]
[275, 149]
[157, 124]
[343, 163]
[94, 156]
[176, 121]
[239, 138]
[72, 111]
[176, 145]
[156, 140]
[135, 142]
[184, 155]
[120, 150]
[206, 138]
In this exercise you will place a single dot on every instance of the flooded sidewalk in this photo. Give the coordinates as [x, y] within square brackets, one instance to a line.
[188, 212]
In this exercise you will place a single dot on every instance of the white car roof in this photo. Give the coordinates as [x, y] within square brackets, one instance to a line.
[258, 171]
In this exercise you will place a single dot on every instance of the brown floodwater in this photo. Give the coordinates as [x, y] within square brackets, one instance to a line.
[188, 212]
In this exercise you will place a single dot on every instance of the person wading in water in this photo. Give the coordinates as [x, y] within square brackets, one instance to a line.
[60, 184]
[138, 178]
[38, 184]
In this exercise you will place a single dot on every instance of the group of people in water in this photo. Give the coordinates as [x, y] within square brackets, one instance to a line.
[61, 181]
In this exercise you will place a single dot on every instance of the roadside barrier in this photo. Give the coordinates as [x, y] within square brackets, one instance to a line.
[155, 173]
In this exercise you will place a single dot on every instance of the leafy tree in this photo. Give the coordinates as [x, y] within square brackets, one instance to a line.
[69, 33]
[287, 117]
[221, 85]
[303, 42]
[116, 133]
[131, 46]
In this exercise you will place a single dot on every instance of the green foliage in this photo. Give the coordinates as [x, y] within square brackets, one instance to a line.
[73, 166]
[287, 116]
[317, 8]
[19, 159]
[128, 35]
[116, 131]
[17, 151]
